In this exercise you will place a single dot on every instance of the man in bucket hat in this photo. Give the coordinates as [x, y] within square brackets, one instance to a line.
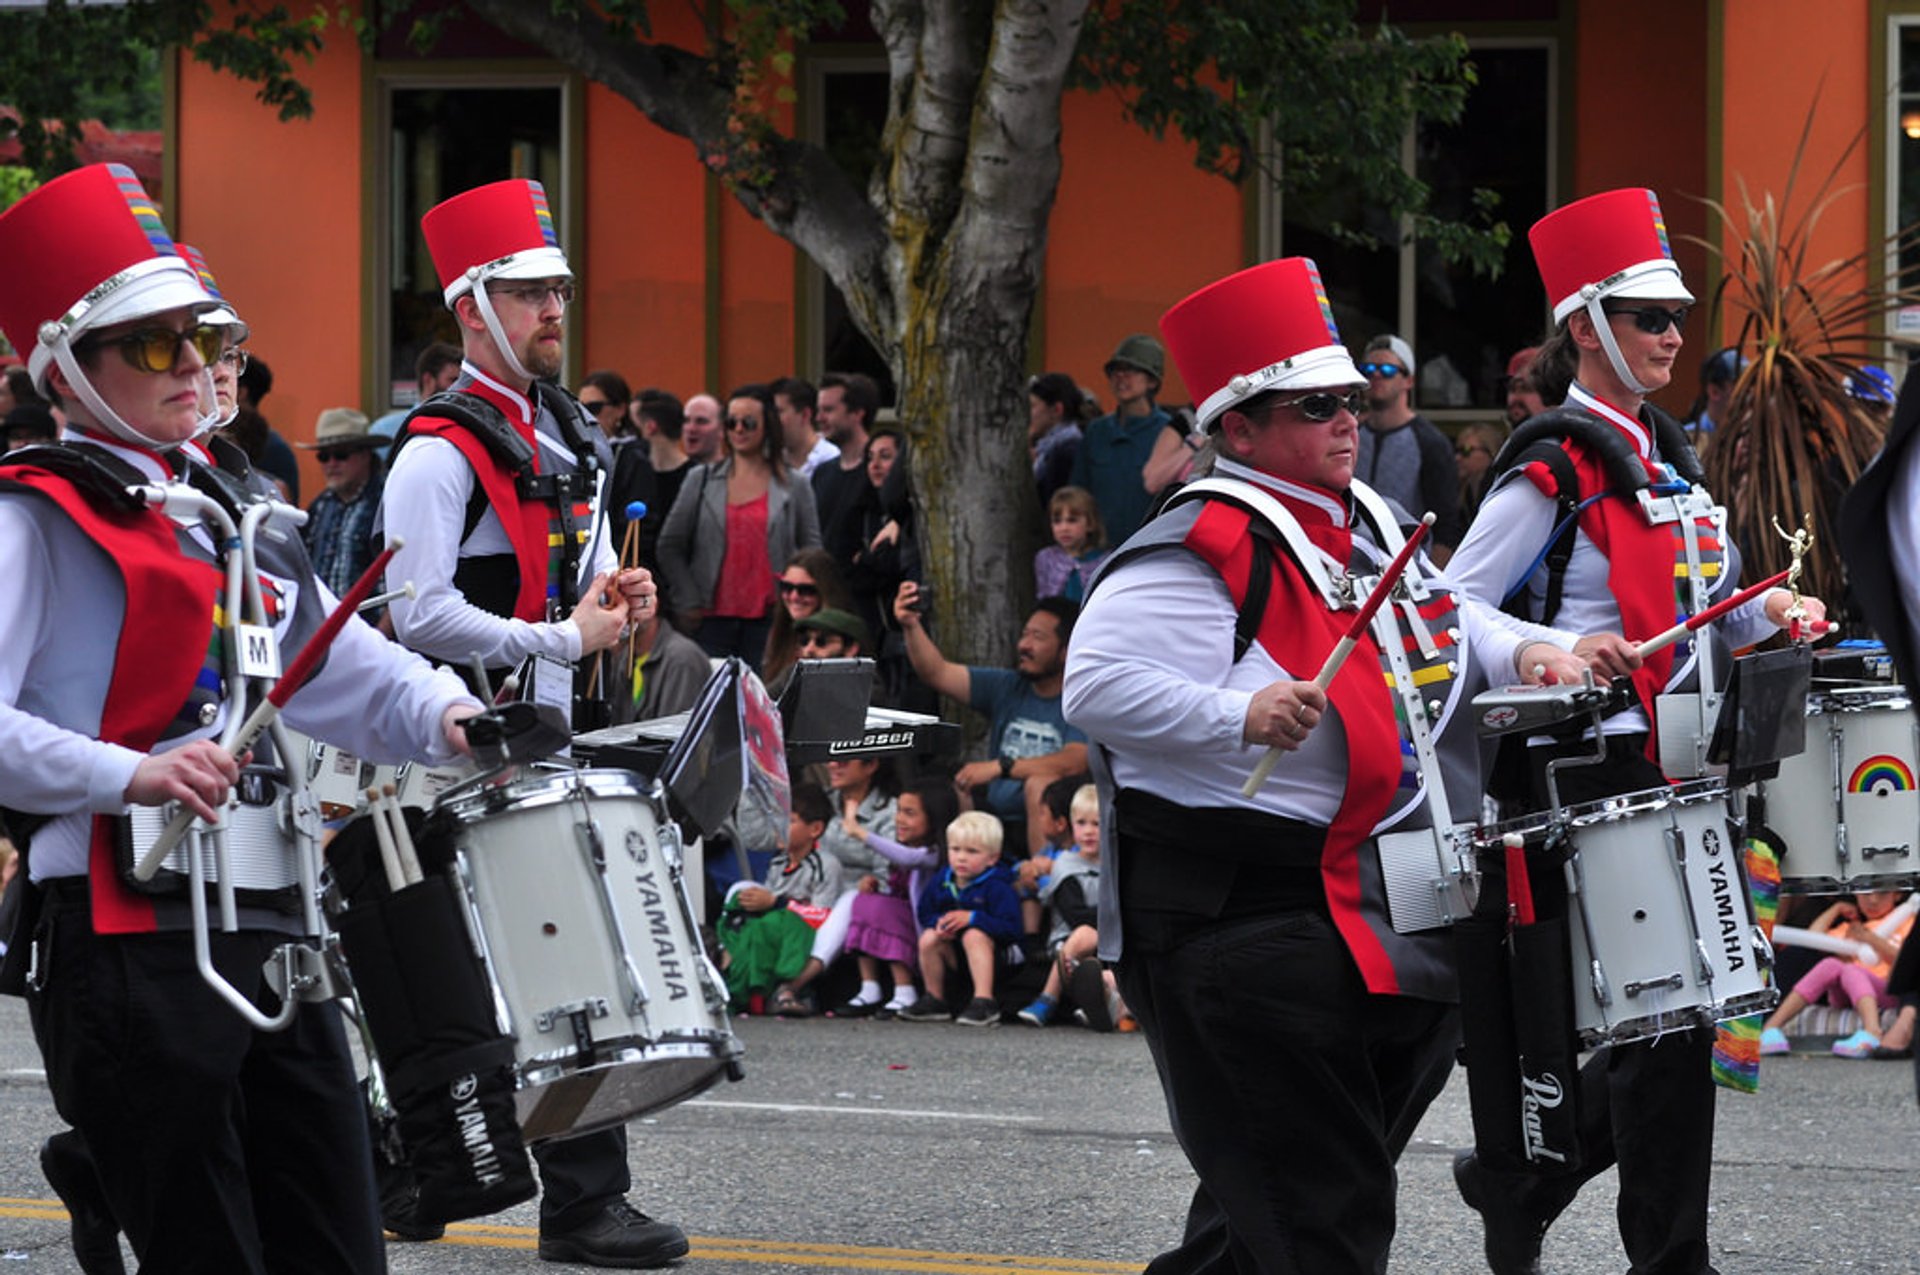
[1286, 1007]
[218, 1145]
[1118, 445]
[494, 485]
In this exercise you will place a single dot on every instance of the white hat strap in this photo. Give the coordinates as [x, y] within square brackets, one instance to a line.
[1605, 331]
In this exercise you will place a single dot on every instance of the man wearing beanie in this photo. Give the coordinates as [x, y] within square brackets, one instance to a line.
[1403, 455]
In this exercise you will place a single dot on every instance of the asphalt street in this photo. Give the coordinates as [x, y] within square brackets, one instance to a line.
[894, 1147]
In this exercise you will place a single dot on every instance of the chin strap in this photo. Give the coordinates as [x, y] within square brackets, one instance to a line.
[1604, 330]
[494, 330]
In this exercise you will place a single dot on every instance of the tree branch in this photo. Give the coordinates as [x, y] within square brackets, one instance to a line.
[930, 150]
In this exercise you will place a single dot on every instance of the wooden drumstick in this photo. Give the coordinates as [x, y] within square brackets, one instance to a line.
[402, 835]
[1350, 639]
[389, 854]
[1708, 616]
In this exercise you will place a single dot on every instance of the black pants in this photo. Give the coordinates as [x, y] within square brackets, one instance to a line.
[581, 1176]
[1646, 1106]
[220, 1148]
[1292, 1090]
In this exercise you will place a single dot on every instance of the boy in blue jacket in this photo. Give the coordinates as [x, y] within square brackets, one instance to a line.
[971, 908]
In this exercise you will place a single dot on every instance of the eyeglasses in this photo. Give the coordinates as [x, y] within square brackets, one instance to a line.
[157, 349]
[327, 454]
[595, 404]
[743, 422]
[536, 294]
[236, 358]
[1653, 319]
[1325, 405]
[1464, 452]
[799, 590]
[816, 637]
[1386, 371]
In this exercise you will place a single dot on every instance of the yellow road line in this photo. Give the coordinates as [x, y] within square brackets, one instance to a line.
[848, 1257]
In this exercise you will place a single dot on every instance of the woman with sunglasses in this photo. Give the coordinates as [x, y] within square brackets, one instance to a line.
[810, 584]
[217, 1146]
[1290, 1003]
[1619, 304]
[730, 523]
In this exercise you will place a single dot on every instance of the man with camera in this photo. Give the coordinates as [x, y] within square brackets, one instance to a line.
[1029, 742]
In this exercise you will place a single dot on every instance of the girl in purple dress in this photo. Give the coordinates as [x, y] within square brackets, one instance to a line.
[882, 929]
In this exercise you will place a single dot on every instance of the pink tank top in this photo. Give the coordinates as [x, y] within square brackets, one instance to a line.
[745, 587]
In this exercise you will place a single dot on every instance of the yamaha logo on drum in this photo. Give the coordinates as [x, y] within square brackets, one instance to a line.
[636, 845]
[464, 1087]
[1711, 840]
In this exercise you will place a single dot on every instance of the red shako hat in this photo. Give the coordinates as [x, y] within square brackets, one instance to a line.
[1613, 244]
[503, 230]
[84, 251]
[1268, 327]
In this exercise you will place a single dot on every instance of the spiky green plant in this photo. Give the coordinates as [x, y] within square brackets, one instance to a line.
[1792, 439]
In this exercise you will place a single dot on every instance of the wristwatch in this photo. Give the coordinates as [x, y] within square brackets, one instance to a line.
[1006, 768]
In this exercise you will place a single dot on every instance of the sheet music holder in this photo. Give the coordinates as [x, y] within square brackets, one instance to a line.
[825, 701]
[1764, 715]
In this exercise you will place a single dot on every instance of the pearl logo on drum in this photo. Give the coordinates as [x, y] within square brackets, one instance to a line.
[1539, 1093]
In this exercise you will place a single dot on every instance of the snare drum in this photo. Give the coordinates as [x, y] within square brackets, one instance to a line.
[1847, 808]
[1660, 921]
[579, 902]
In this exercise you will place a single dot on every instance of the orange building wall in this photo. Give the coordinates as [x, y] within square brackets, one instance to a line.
[1771, 84]
[276, 209]
[644, 262]
[1136, 226]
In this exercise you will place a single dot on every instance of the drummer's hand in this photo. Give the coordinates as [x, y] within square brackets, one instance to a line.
[637, 586]
[453, 725]
[599, 622]
[1779, 601]
[198, 776]
[1544, 664]
[1282, 714]
[1609, 654]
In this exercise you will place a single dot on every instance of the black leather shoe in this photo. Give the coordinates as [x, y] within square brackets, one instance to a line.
[69, 1171]
[620, 1235]
[1513, 1234]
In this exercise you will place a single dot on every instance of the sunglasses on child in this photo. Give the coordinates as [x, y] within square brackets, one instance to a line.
[1653, 319]
[1324, 405]
[157, 349]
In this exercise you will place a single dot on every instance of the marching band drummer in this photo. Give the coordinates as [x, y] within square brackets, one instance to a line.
[1283, 1009]
[1640, 558]
[219, 1147]
[491, 485]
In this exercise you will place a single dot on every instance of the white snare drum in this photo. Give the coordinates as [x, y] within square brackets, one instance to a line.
[1847, 807]
[1660, 921]
[581, 912]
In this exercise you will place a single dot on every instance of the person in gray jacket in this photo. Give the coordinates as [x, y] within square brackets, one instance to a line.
[732, 521]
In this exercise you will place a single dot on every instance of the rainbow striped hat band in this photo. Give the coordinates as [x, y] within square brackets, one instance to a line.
[503, 230]
[84, 251]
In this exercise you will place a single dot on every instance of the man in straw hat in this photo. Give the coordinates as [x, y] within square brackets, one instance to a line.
[1299, 1034]
[339, 528]
[218, 1146]
[1648, 546]
[494, 486]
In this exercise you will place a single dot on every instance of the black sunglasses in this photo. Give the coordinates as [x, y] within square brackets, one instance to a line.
[595, 404]
[803, 590]
[325, 454]
[157, 349]
[1325, 405]
[743, 422]
[1653, 319]
[1385, 370]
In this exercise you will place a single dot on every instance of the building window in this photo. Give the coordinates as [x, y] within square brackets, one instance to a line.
[846, 101]
[1462, 327]
[1903, 146]
[442, 137]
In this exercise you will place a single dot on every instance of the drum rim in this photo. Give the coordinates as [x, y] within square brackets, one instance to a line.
[533, 791]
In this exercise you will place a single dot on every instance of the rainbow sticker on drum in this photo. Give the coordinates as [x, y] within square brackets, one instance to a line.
[1881, 775]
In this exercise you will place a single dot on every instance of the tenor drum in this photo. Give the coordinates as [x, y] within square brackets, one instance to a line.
[1660, 923]
[579, 901]
[1846, 808]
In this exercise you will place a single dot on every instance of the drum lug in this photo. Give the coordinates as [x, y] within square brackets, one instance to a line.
[587, 832]
[1762, 948]
[591, 1007]
[1673, 982]
[1870, 853]
[298, 972]
[1602, 993]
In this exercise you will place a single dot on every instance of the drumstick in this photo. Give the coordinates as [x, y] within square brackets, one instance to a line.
[402, 835]
[1707, 616]
[283, 690]
[389, 853]
[391, 595]
[1344, 647]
